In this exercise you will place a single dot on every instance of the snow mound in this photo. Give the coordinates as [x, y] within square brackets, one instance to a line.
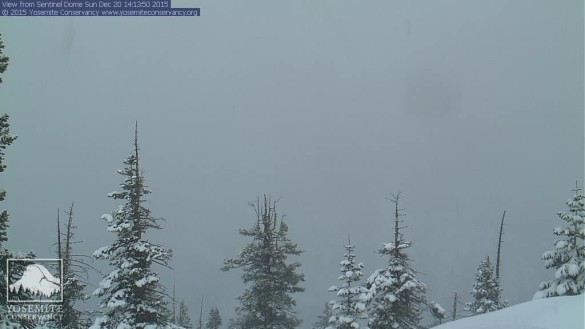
[549, 313]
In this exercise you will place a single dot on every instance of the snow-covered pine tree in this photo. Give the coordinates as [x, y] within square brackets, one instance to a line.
[349, 307]
[213, 319]
[267, 303]
[184, 319]
[134, 297]
[323, 319]
[486, 290]
[568, 257]
[395, 298]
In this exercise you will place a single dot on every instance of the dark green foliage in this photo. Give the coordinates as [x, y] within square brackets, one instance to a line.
[214, 319]
[134, 297]
[396, 298]
[267, 303]
[184, 319]
[568, 257]
[6, 139]
[486, 290]
[349, 307]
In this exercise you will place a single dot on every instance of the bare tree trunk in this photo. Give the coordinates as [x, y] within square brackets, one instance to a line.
[455, 307]
[68, 238]
[397, 214]
[59, 236]
[200, 326]
[500, 246]
[174, 305]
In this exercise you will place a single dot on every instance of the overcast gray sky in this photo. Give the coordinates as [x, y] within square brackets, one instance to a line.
[468, 108]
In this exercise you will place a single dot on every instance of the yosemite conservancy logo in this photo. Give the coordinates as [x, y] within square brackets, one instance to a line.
[34, 280]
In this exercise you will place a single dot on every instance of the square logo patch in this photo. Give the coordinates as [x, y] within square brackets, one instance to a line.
[34, 280]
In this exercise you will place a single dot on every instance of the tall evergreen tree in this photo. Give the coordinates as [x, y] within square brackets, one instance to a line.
[349, 307]
[568, 257]
[184, 319]
[6, 139]
[134, 297]
[486, 290]
[214, 319]
[267, 303]
[396, 298]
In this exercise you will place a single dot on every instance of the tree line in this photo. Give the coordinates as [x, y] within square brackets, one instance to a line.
[132, 296]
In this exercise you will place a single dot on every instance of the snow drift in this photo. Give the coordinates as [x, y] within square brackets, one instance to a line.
[549, 313]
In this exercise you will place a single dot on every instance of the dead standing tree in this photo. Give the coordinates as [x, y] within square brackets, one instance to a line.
[498, 258]
[73, 267]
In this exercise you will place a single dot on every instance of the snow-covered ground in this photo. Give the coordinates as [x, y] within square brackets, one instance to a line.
[548, 313]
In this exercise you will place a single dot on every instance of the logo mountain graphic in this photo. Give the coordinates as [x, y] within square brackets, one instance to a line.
[37, 280]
